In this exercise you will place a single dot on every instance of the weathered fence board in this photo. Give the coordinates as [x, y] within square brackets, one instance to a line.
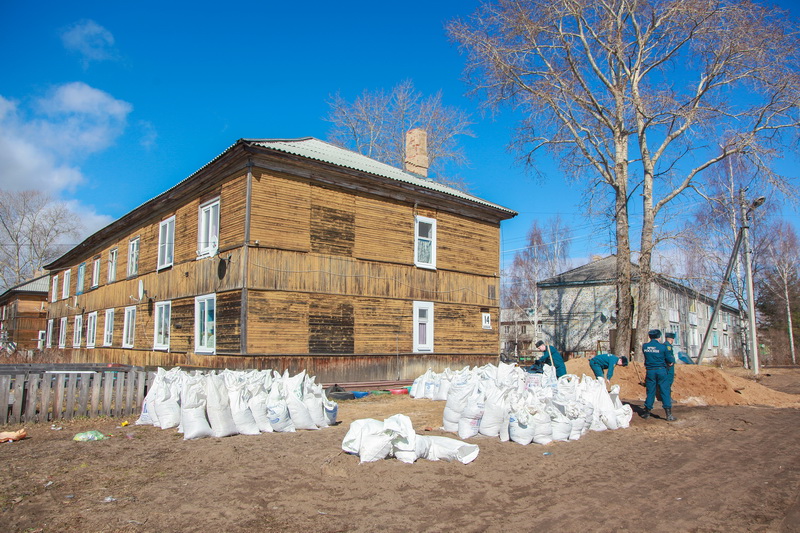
[58, 404]
[32, 389]
[48, 396]
[5, 385]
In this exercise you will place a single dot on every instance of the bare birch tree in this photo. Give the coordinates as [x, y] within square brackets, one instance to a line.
[32, 233]
[783, 266]
[376, 122]
[546, 254]
[638, 96]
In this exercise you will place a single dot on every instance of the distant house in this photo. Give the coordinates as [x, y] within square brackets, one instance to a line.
[579, 312]
[289, 254]
[23, 315]
[517, 333]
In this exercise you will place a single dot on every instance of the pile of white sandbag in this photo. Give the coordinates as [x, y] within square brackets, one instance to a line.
[373, 440]
[505, 401]
[232, 402]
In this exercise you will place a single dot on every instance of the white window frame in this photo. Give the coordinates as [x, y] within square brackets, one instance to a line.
[77, 333]
[49, 338]
[418, 220]
[129, 327]
[162, 320]
[166, 243]
[54, 297]
[423, 343]
[91, 329]
[80, 279]
[208, 229]
[112, 265]
[62, 333]
[65, 284]
[204, 343]
[133, 257]
[96, 273]
[108, 328]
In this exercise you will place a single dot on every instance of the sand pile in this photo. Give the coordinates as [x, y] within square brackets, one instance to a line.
[695, 385]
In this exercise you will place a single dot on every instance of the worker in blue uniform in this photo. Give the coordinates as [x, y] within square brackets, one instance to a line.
[656, 360]
[604, 361]
[551, 357]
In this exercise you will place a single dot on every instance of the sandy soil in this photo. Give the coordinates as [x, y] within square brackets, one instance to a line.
[731, 462]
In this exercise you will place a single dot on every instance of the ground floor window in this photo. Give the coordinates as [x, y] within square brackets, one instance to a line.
[76, 333]
[423, 326]
[91, 329]
[205, 322]
[129, 327]
[49, 337]
[108, 328]
[163, 311]
[62, 333]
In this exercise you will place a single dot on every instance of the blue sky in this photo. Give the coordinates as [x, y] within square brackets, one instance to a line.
[107, 104]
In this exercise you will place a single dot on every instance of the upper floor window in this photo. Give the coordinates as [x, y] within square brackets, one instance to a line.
[112, 265]
[54, 296]
[424, 242]
[162, 322]
[423, 326]
[80, 279]
[166, 242]
[208, 229]
[133, 257]
[65, 284]
[96, 272]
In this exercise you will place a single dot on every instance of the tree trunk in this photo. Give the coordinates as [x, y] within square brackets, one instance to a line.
[789, 320]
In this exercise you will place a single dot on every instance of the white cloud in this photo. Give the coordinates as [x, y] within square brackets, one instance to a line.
[148, 134]
[89, 39]
[91, 220]
[40, 148]
[78, 119]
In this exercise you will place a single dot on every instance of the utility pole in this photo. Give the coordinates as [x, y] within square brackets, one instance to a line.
[748, 263]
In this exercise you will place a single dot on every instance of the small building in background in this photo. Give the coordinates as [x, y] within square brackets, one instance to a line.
[518, 333]
[579, 314]
[23, 315]
[289, 254]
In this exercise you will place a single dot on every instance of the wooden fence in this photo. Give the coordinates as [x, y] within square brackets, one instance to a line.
[64, 395]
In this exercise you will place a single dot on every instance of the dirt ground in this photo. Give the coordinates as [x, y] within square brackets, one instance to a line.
[731, 462]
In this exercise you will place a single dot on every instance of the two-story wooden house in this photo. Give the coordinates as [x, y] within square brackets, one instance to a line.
[288, 254]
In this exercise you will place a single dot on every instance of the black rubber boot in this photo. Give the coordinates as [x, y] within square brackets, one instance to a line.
[670, 418]
[646, 413]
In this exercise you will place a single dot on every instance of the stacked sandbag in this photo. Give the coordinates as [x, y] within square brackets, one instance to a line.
[506, 402]
[373, 440]
[233, 402]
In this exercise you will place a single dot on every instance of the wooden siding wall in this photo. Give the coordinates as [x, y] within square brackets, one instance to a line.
[316, 273]
[284, 323]
[293, 214]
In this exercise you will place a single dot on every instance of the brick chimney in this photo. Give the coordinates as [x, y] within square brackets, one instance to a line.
[417, 152]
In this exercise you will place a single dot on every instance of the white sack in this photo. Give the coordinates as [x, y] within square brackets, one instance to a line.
[218, 407]
[447, 449]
